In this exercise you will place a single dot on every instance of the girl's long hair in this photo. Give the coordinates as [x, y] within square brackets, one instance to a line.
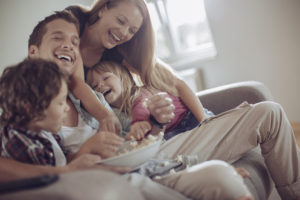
[130, 90]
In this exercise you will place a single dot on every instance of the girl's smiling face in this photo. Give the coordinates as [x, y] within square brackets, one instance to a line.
[109, 85]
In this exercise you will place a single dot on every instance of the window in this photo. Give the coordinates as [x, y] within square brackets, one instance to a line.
[182, 31]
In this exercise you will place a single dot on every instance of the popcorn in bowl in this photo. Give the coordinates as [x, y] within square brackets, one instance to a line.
[135, 153]
[131, 145]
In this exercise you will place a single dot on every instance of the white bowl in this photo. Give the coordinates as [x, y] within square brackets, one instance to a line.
[135, 157]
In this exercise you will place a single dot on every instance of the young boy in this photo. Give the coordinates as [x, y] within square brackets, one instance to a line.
[33, 101]
[33, 98]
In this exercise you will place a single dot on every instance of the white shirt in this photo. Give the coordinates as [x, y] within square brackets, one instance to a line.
[72, 138]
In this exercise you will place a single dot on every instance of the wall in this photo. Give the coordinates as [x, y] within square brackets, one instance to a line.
[257, 40]
[17, 20]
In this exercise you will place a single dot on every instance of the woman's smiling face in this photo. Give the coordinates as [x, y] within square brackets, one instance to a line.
[118, 24]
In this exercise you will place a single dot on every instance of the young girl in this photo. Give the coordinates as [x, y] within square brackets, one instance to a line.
[117, 85]
[33, 101]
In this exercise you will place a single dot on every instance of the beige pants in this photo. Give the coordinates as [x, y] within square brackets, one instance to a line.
[207, 180]
[231, 134]
[212, 180]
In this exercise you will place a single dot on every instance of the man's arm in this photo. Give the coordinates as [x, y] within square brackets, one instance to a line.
[12, 170]
[108, 121]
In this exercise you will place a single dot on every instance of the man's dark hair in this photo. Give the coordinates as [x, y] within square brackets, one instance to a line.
[39, 30]
[27, 89]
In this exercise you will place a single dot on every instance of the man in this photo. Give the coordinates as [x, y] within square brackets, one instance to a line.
[56, 38]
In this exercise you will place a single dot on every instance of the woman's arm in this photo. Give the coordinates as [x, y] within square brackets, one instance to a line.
[190, 99]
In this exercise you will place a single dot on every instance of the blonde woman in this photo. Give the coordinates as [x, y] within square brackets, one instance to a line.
[121, 31]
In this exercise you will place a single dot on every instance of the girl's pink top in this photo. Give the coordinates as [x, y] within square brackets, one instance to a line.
[140, 113]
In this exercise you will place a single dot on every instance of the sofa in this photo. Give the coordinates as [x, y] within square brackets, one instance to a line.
[76, 185]
[225, 97]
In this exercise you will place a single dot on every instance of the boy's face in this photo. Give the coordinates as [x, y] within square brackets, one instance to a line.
[54, 114]
[60, 44]
[109, 85]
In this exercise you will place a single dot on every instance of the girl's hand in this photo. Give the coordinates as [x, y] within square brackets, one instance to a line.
[161, 107]
[102, 143]
[138, 130]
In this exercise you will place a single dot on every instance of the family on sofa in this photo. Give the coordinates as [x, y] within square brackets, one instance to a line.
[121, 31]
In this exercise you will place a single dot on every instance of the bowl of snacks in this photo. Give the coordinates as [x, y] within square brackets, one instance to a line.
[134, 153]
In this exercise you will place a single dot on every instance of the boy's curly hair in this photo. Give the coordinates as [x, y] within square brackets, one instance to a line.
[26, 90]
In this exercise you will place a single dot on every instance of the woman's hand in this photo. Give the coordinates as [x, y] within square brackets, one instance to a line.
[102, 143]
[138, 130]
[161, 107]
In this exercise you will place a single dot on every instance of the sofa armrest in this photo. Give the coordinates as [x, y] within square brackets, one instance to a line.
[222, 98]
[226, 97]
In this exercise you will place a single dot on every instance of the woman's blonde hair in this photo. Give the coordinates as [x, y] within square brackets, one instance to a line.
[139, 51]
[130, 90]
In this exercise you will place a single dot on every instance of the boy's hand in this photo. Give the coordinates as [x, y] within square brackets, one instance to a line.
[83, 161]
[161, 107]
[138, 130]
[102, 143]
[110, 123]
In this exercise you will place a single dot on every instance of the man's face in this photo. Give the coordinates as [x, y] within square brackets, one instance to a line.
[60, 44]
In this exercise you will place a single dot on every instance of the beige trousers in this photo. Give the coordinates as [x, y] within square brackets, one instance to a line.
[212, 180]
[229, 135]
